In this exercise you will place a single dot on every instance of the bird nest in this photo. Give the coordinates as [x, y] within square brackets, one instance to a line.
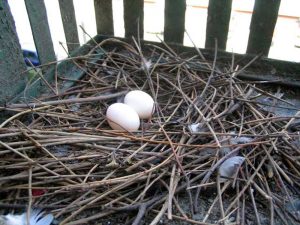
[58, 152]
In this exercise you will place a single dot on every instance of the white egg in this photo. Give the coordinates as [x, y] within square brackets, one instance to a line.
[141, 102]
[122, 117]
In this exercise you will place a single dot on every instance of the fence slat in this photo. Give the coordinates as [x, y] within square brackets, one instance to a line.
[37, 14]
[262, 26]
[174, 21]
[12, 80]
[218, 17]
[69, 22]
[134, 18]
[104, 17]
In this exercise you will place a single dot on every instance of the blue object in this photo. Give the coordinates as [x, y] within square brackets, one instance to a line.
[31, 58]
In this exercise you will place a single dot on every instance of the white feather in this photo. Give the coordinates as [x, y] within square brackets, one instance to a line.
[146, 64]
[15, 219]
[196, 127]
[241, 140]
[46, 220]
[230, 167]
[36, 218]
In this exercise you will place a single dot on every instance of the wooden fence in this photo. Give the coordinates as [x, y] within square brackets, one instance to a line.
[263, 22]
[262, 25]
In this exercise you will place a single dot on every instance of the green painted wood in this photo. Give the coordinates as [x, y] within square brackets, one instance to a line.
[12, 65]
[218, 17]
[262, 26]
[134, 18]
[174, 20]
[37, 15]
[287, 73]
[69, 22]
[104, 17]
[66, 68]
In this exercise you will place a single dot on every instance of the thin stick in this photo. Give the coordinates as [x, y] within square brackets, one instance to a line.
[67, 101]
[29, 195]
[22, 113]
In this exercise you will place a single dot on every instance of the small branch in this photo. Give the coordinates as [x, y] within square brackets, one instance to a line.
[68, 101]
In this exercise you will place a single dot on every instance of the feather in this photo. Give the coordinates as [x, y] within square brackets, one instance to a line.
[11, 219]
[36, 218]
[230, 167]
[197, 127]
[46, 220]
[241, 140]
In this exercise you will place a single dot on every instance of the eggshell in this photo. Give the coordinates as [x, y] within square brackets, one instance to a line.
[141, 102]
[122, 117]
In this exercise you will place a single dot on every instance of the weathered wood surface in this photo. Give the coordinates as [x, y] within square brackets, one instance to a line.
[287, 72]
[134, 18]
[12, 65]
[69, 23]
[104, 17]
[66, 68]
[37, 14]
[218, 17]
[174, 20]
[262, 26]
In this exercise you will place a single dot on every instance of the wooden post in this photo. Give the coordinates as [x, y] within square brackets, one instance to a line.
[69, 22]
[104, 17]
[134, 18]
[12, 65]
[218, 17]
[174, 20]
[262, 26]
[37, 14]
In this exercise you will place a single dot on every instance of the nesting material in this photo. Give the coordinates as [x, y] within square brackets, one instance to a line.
[59, 153]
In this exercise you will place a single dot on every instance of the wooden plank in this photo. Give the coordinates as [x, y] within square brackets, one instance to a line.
[66, 68]
[262, 65]
[104, 17]
[134, 18]
[69, 22]
[12, 65]
[262, 26]
[218, 17]
[174, 21]
[37, 15]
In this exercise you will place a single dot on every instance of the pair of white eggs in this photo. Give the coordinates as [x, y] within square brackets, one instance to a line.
[126, 116]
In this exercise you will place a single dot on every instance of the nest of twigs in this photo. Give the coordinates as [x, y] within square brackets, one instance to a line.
[58, 152]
